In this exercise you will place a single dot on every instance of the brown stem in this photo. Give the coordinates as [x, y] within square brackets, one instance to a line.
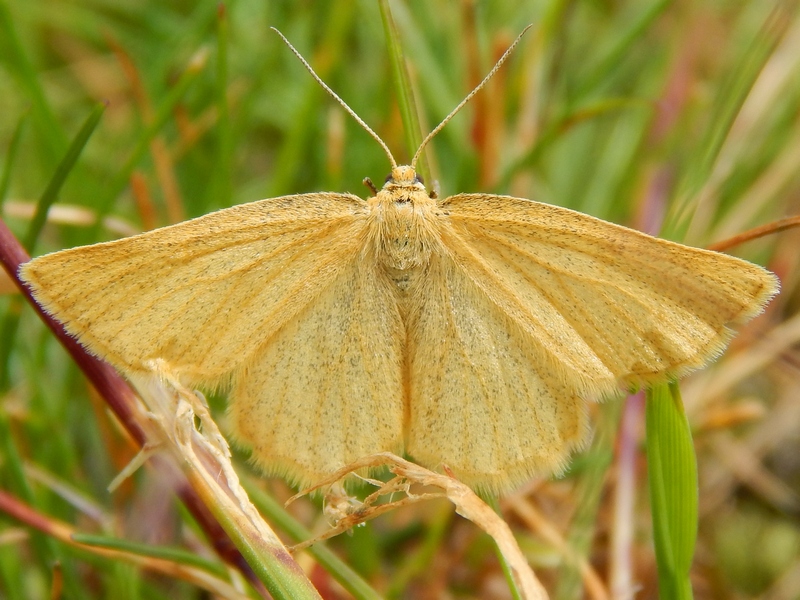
[756, 232]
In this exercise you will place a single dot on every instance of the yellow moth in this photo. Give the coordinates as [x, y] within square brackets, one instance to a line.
[468, 331]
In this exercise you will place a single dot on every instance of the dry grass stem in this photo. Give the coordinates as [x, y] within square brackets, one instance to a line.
[467, 504]
[524, 508]
[755, 233]
[203, 453]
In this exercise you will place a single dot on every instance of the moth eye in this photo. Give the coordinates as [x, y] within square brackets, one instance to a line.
[388, 178]
[418, 179]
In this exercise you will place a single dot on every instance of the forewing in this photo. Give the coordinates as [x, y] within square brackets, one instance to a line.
[327, 388]
[205, 294]
[648, 309]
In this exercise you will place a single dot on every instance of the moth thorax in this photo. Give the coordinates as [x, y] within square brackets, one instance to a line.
[404, 239]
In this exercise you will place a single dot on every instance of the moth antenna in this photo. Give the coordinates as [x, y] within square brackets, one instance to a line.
[477, 89]
[333, 94]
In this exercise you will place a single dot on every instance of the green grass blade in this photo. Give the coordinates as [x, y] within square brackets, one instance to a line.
[14, 479]
[612, 57]
[219, 189]
[292, 161]
[63, 170]
[11, 155]
[561, 126]
[493, 501]
[590, 489]
[728, 103]
[8, 330]
[418, 562]
[403, 90]
[176, 555]
[12, 576]
[120, 181]
[20, 65]
[283, 580]
[672, 472]
[335, 566]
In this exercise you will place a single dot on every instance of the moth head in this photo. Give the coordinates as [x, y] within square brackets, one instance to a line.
[404, 176]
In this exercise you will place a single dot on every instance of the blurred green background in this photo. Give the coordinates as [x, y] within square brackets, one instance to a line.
[680, 117]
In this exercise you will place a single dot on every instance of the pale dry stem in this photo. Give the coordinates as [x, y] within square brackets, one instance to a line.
[536, 521]
[466, 502]
[202, 453]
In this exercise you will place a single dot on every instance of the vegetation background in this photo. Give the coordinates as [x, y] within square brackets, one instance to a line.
[681, 116]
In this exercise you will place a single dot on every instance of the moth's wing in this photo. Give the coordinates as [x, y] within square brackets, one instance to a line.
[528, 309]
[648, 309]
[495, 401]
[327, 388]
[202, 295]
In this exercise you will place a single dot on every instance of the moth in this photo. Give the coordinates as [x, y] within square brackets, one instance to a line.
[468, 331]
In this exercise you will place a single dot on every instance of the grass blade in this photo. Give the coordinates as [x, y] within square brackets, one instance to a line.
[11, 155]
[163, 113]
[672, 470]
[726, 108]
[8, 330]
[335, 566]
[219, 190]
[46, 122]
[402, 87]
[63, 170]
